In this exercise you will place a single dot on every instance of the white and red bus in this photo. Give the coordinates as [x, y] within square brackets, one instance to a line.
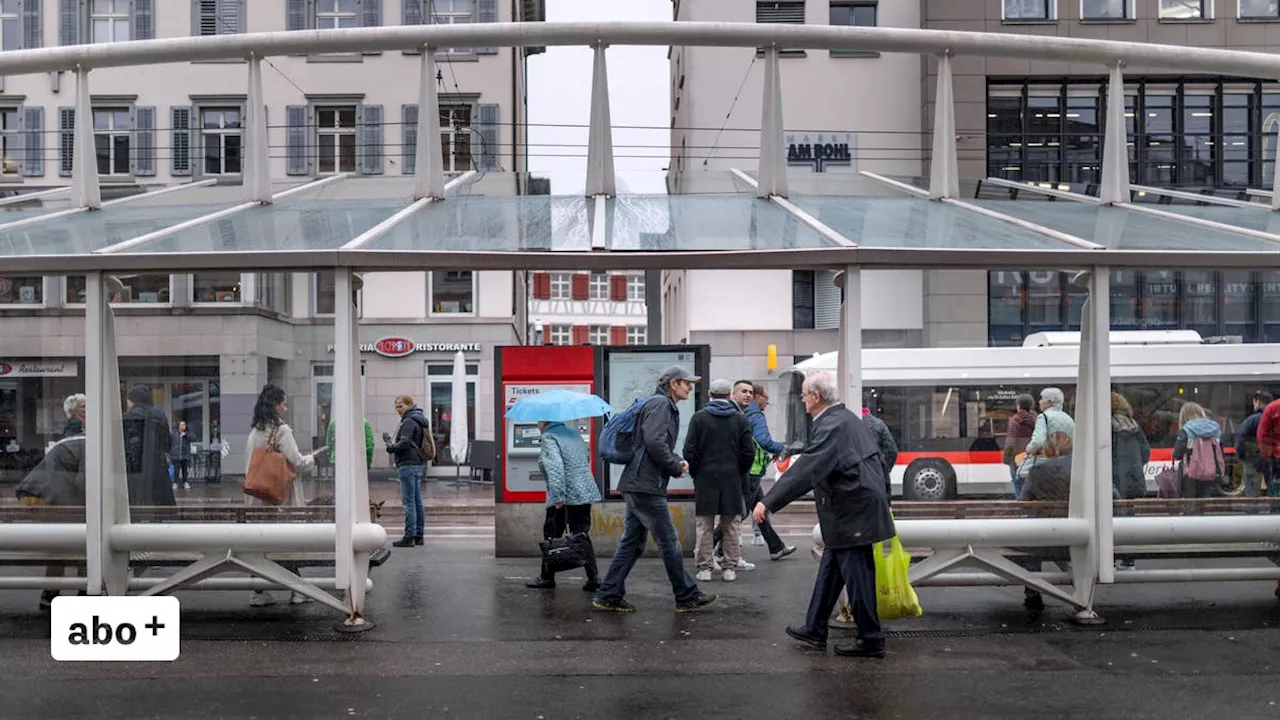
[948, 408]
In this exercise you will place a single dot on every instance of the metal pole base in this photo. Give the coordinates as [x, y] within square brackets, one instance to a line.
[355, 626]
[1087, 617]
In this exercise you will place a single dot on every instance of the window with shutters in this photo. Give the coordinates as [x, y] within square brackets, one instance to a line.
[560, 335]
[635, 287]
[10, 142]
[561, 284]
[218, 17]
[599, 287]
[222, 137]
[112, 138]
[110, 20]
[10, 25]
[598, 335]
[336, 14]
[637, 335]
[789, 13]
[452, 292]
[455, 137]
[450, 12]
[335, 139]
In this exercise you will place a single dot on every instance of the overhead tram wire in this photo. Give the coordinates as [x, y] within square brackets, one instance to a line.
[727, 115]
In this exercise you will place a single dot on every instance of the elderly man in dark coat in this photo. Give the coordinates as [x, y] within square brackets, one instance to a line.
[842, 466]
[719, 450]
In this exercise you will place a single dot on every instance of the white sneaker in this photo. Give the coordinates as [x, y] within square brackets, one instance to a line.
[175, 486]
[744, 565]
[730, 575]
[758, 540]
[703, 576]
[297, 598]
[186, 486]
[262, 599]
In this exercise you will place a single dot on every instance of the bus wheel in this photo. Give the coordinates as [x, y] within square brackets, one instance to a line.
[928, 480]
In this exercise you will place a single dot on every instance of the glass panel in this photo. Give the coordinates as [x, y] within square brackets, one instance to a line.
[327, 153]
[213, 154]
[1104, 9]
[893, 222]
[144, 288]
[233, 158]
[1259, 8]
[452, 291]
[1271, 306]
[1121, 229]
[706, 222]
[12, 35]
[120, 154]
[347, 153]
[1160, 295]
[217, 287]
[1201, 288]
[21, 290]
[1250, 218]
[1240, 303]
[86, 232]
[510, 224]
[1124, 300]
[442, 418]
[1181, 9]
[1044, 300]
[121, 30]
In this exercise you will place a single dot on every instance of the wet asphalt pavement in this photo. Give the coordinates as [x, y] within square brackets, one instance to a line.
[458, 635]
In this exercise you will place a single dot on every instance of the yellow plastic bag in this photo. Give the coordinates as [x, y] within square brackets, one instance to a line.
[894, 596]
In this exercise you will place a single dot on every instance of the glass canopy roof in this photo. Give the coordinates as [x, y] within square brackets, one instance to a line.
[517, 220]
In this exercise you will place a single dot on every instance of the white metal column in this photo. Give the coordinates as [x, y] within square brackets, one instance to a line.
[1100, 316]
[428, 158]
[773, 161]
[944, 172]
[1115, 147]
[106, 487]
[257, 179]
[1084, 486]
[351, 477]
[600, 175]
[849, 359]
[85, 191]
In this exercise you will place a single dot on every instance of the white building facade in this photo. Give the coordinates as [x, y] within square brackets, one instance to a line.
[207, 343]
[843, 112]
[588, 308]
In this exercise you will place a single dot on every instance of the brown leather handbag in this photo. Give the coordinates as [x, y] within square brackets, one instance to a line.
[270, 475]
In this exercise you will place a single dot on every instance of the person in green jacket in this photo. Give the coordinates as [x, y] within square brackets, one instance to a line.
[368, 442]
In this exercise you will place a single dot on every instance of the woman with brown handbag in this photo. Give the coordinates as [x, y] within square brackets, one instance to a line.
[274, 459]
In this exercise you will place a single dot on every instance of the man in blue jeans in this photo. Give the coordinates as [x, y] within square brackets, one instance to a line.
[644, 487]
[406, 449]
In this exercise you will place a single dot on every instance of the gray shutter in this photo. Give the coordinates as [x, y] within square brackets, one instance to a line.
[66, 140]
[369, 128]
[32, 24]
[69, 22]
[231, 19]
[180, 147]
[297, 15]
[297, 160]
[411, 12]
[33, 141]
[144, 22]
[142, 154]
[484, 138]
[486, 11]
[409, 131]
[371, 16]
[826, 301]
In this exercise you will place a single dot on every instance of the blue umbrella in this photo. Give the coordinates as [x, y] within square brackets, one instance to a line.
[558, 406]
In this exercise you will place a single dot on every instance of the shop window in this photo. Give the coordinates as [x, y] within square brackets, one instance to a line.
[323, 284]
[440, 408]
[146, 289]
[21, 290]
[453, 292]
[220, 287]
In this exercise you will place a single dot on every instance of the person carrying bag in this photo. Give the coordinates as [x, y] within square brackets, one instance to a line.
[270, 477]
[565, 461]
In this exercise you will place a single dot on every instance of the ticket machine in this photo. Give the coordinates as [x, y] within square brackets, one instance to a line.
[525, 371]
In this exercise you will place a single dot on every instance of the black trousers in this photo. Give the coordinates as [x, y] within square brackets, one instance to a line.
[752, 494]
[576, 519]
[853, 569]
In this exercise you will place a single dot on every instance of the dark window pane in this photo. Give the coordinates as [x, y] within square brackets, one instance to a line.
[1124, 300]
[1160, 295]
[1045, 114]
[233, 159]
[1044, 300]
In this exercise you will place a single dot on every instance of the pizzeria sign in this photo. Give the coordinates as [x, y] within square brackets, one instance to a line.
[398, 347]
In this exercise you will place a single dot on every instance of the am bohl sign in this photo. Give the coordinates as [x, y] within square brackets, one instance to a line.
[819, 149]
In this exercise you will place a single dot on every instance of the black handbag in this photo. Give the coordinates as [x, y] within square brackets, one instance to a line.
[566, 552]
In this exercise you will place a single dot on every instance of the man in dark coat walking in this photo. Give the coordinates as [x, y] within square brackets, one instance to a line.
[719, 450]
[842, 466]
[147, 443]
[644, 488]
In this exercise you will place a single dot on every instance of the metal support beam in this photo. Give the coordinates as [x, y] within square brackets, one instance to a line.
[85, 191]
[428, 158]
[1115, 146]
[817, 225]
[1275, 176]
[106, 495]
[351, 478]
[600, 176]
[257, 177]
[27, 197]
[944, 171]
[1094, 382]
[1196, 197]
[1203, 223]
[599, 222]
[773, 161]
[849, 359]
[1035, 189]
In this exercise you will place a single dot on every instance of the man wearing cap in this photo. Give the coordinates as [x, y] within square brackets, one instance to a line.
[644, 488]
[719, 450]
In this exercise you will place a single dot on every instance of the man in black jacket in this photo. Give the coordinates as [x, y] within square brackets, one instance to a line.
[405, 449]
[719, 450]
[644, 488]
[842, 466]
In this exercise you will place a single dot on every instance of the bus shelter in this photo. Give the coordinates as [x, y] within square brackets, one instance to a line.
[750, 218]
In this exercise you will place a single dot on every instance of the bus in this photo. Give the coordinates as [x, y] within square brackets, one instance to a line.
[948, 408]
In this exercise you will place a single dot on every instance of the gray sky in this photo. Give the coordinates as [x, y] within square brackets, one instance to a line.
[639, 95]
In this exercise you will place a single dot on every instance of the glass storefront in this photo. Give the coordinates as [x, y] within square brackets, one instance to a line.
[440, 397]
[1210, 133]
[1214, 303]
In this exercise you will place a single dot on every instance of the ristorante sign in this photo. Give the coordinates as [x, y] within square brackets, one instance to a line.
[398, 347]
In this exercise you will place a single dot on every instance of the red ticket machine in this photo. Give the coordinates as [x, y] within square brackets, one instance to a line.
[528, 370]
